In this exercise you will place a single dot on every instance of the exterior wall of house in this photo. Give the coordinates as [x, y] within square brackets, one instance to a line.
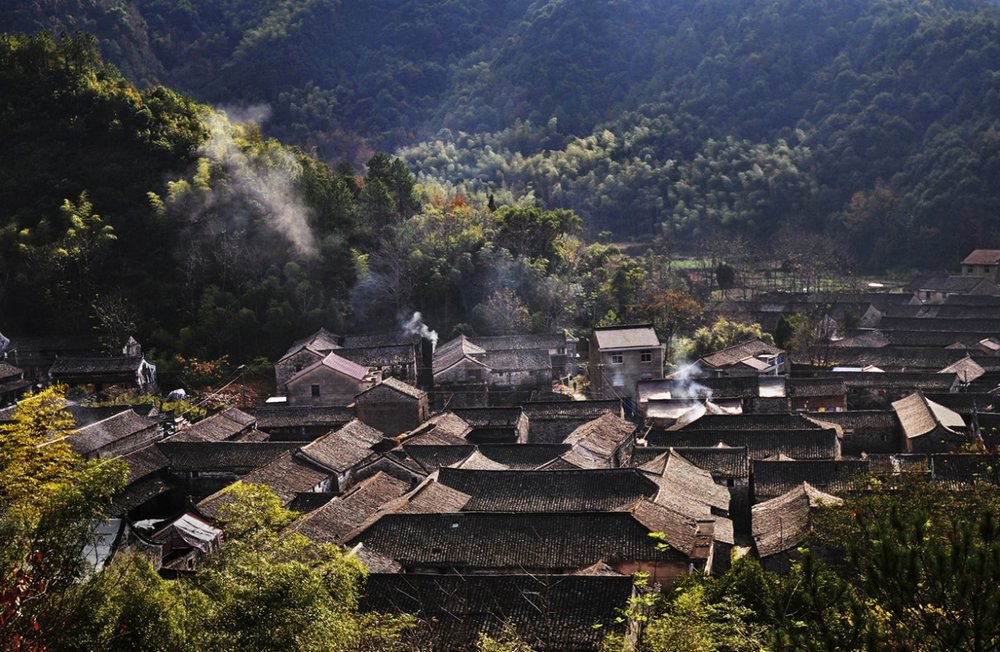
[293, 364]
[461, 394]
[462, 372]
[390, 412]
[991, 272]
[324, 386]
[521, 378]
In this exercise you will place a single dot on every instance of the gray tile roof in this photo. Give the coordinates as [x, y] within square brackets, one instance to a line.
[322, 341]
[531, 542]
[344, 448]
[343, 514]
[772, 478]
[808, 444]
[100, 434]
[398, 386]
[520, 342]
[218, 427]
[718, 422]
[782, 523]
[735, 354]
[602, 436]
[720, 461]
[918, 416]
[234, 456]
[613, 338]
[561, 612]
[549, 491]
[284, 416]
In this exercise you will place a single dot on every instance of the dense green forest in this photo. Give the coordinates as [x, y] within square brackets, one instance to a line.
[141, 211]
[872, 124]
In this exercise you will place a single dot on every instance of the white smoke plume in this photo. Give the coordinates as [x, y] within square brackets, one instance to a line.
[416, 326]
[684, 385]
[270, 186]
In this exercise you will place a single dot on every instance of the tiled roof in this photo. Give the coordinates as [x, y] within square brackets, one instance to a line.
[965, 468]
[451, 353]
[287, 476]
[602, 436]
[898, 380]
[479, 462]
[343, 514]
[956, 284]
[235, 456]
[520, 342]
[137, 493]
[342, 449]
[894, 464]
[613, 338]
[782, 523]
[431, 457]
[67, 366]
[285, 416]
[737, 353]
[145, 461]
[96, 436]
[918, 416]
[871, 339]
[824, 386]
[395, 338]
[717, 422]
[430, 497]
[907, 359]
[322, 341]
[9, 371]
[570, 409]
[518, 360]
[720, 461]
[528, 541]
[441, 429]
[982, 257]
[336, 363]
[691, 491]
[381, 356]
[399, 387]
[800, 444]
[940, 324]
[523, 457]
[218, 427]
[775, 477]
[549, 491]
[479, 417]
[561, 612]
[966, 369]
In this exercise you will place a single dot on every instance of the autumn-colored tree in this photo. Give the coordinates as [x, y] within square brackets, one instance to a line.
[50, 499]
[673, 311]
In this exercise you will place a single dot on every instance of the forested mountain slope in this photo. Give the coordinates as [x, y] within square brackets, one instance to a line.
[875, 124]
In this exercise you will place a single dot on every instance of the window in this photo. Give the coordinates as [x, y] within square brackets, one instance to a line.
[617, 358]
[646, 356]
[315, 391]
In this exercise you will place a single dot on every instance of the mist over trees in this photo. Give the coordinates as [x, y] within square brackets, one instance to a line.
[863, 122]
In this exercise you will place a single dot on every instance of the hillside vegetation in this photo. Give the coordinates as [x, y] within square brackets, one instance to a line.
[874, 124]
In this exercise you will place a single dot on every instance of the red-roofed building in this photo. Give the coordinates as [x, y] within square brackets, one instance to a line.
[331, 381]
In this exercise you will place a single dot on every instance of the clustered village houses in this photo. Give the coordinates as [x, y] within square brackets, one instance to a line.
[482, 484]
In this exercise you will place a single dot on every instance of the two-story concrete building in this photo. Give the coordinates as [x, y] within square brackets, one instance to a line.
[621, 356]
